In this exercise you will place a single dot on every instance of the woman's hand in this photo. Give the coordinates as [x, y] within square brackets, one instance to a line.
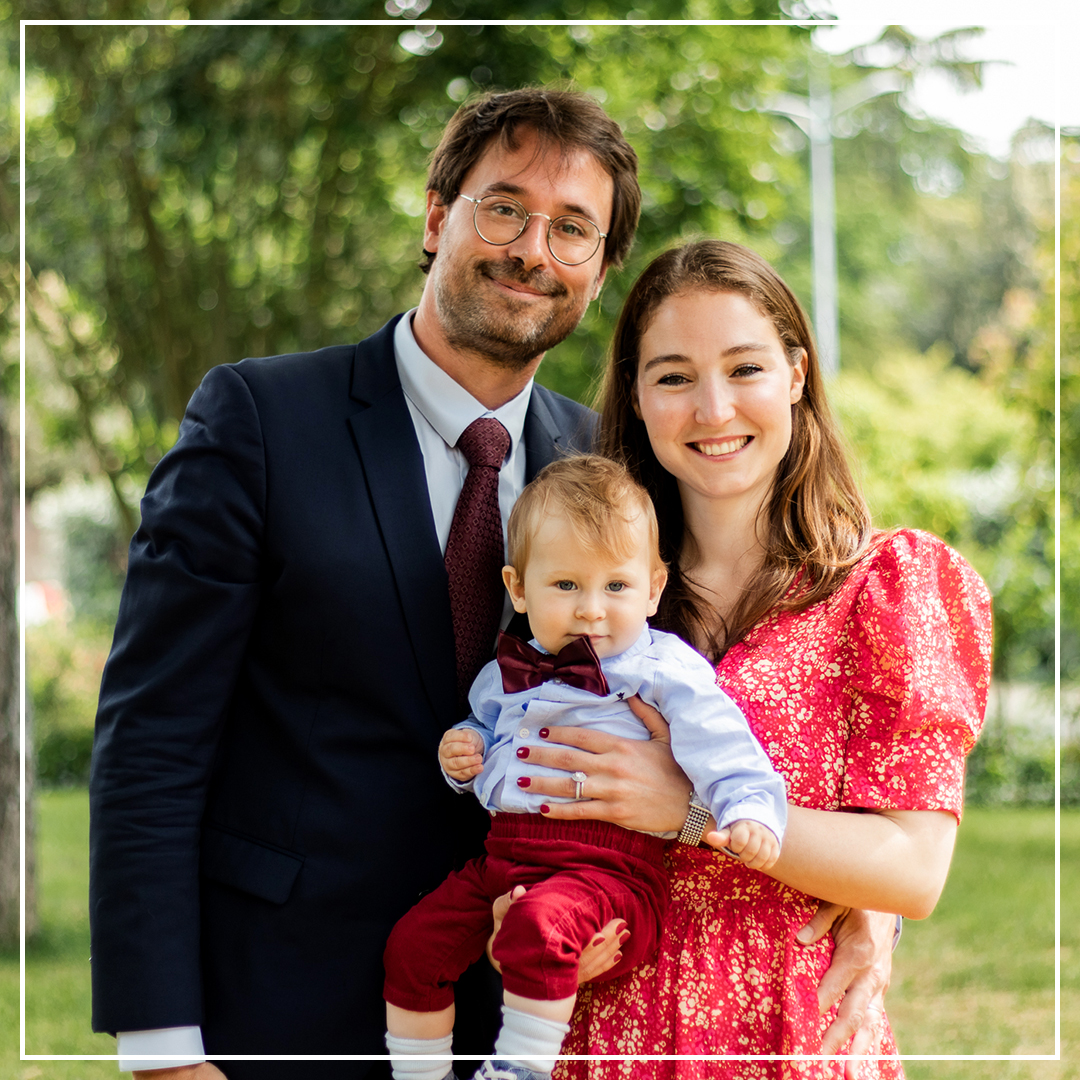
[601, 954]
[635, 783]
[859, 973]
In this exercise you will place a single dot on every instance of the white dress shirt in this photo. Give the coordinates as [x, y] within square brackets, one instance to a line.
[441, 409]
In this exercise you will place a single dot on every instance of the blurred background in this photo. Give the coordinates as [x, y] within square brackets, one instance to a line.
[197, 194]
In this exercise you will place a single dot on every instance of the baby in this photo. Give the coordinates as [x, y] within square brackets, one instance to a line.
[585, 565]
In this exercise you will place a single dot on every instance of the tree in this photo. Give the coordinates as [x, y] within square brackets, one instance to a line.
[11, 810]
[14, 816]
[199, 194]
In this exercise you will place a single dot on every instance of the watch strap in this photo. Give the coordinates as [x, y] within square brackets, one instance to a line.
[696, 819]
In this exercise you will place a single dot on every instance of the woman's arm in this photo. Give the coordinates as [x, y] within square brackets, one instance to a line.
[892, 860]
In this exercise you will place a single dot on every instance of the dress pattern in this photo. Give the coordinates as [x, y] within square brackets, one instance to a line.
[870, 699]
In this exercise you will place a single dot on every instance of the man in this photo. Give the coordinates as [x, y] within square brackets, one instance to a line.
[265, 797]
[294, 632]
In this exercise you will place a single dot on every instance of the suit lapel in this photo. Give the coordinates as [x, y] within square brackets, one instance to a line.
[542, 436]
[394, 470]
[393, 467]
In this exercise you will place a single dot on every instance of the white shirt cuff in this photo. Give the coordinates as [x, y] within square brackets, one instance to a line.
[183, 1045]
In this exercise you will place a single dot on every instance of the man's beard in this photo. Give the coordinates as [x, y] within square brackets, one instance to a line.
[510, 336]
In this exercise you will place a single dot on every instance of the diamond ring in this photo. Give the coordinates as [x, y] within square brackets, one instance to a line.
[579, 779]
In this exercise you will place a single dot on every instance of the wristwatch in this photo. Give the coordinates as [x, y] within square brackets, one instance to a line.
[696, 819]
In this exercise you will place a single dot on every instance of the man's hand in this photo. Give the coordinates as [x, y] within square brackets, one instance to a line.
[755, 844]
[600, 955]
[635, 783]
[203, 1071]
[461, 754]
[860, 971]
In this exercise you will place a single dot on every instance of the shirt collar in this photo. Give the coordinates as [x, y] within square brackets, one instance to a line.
[446, 405]
[643, 642]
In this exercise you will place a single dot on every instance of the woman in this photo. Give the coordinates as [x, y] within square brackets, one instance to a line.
[861, 660]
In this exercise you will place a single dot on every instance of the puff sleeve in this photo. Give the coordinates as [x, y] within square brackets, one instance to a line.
[919, 638]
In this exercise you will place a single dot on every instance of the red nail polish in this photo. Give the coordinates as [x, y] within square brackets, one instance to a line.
[523, 781]
[624, 937]
[597, 941]
[544, 733]
[545, 809]
[618, 958]
[523, 752]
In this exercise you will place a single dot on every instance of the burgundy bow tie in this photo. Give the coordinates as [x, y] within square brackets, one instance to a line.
[524, 667]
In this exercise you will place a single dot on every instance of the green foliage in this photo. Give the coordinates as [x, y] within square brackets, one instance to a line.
[200, 193]
[1069, 285]
[204, 193]
[63, 666]
[1016, 352]
[924, 431]
[93, 576]
[941, 449]
[1010, 766]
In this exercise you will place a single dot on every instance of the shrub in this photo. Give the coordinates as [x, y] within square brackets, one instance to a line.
[63, 668]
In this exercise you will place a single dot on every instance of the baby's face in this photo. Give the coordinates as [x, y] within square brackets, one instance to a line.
[571, 592]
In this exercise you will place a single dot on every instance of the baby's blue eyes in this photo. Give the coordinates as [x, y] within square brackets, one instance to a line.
[612, 586]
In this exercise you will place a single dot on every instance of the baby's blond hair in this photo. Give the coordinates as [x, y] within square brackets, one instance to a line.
[597, 496]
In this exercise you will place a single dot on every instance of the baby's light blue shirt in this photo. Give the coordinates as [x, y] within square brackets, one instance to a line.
[710, 737]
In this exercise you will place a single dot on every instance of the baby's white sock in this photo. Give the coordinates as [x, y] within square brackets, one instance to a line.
[431, 1068]
[530, 1041]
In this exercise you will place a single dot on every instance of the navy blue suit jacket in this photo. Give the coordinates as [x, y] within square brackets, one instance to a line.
[265, 794]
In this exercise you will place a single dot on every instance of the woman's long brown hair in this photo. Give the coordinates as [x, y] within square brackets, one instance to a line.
[815, 525]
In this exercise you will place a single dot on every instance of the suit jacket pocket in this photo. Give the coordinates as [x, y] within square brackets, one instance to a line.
[249, 865]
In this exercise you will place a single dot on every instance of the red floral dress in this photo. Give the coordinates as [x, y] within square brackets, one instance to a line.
[871, 698]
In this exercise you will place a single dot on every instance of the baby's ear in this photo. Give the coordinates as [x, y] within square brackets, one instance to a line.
[515, 586]
[659, 580]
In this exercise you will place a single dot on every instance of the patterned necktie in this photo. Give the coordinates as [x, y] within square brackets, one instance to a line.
[475, 552]
[523, 667]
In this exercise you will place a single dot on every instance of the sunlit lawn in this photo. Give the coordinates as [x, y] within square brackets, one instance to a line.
[975, 978]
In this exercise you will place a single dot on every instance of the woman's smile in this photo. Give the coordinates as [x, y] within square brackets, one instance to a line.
[715, 387]
[720, 449]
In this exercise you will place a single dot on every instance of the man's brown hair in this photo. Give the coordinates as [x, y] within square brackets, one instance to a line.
[566, 119]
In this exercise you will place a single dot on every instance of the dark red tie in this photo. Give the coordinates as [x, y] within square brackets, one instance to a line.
[523, 667]
[475, 552]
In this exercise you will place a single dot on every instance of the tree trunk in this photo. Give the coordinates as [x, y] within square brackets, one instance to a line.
[11, 820]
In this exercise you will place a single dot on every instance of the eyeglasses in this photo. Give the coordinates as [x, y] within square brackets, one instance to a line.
[500, 221]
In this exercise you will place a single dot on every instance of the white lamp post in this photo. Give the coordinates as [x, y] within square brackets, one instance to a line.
[814, 116]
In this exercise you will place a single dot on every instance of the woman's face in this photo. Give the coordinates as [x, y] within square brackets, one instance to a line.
[715, 389]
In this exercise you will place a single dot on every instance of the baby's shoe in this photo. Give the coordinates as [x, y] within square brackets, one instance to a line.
[504, 1070]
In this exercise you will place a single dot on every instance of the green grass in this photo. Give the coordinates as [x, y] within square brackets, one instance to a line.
[975, 978]
[57, 960]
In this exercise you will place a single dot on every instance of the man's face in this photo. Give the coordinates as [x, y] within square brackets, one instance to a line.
[512, 303]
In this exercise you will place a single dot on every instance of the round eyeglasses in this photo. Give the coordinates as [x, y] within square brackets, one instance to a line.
[499, 220]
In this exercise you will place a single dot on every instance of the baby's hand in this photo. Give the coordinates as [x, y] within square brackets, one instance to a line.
[753, 843]
[461, 754]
